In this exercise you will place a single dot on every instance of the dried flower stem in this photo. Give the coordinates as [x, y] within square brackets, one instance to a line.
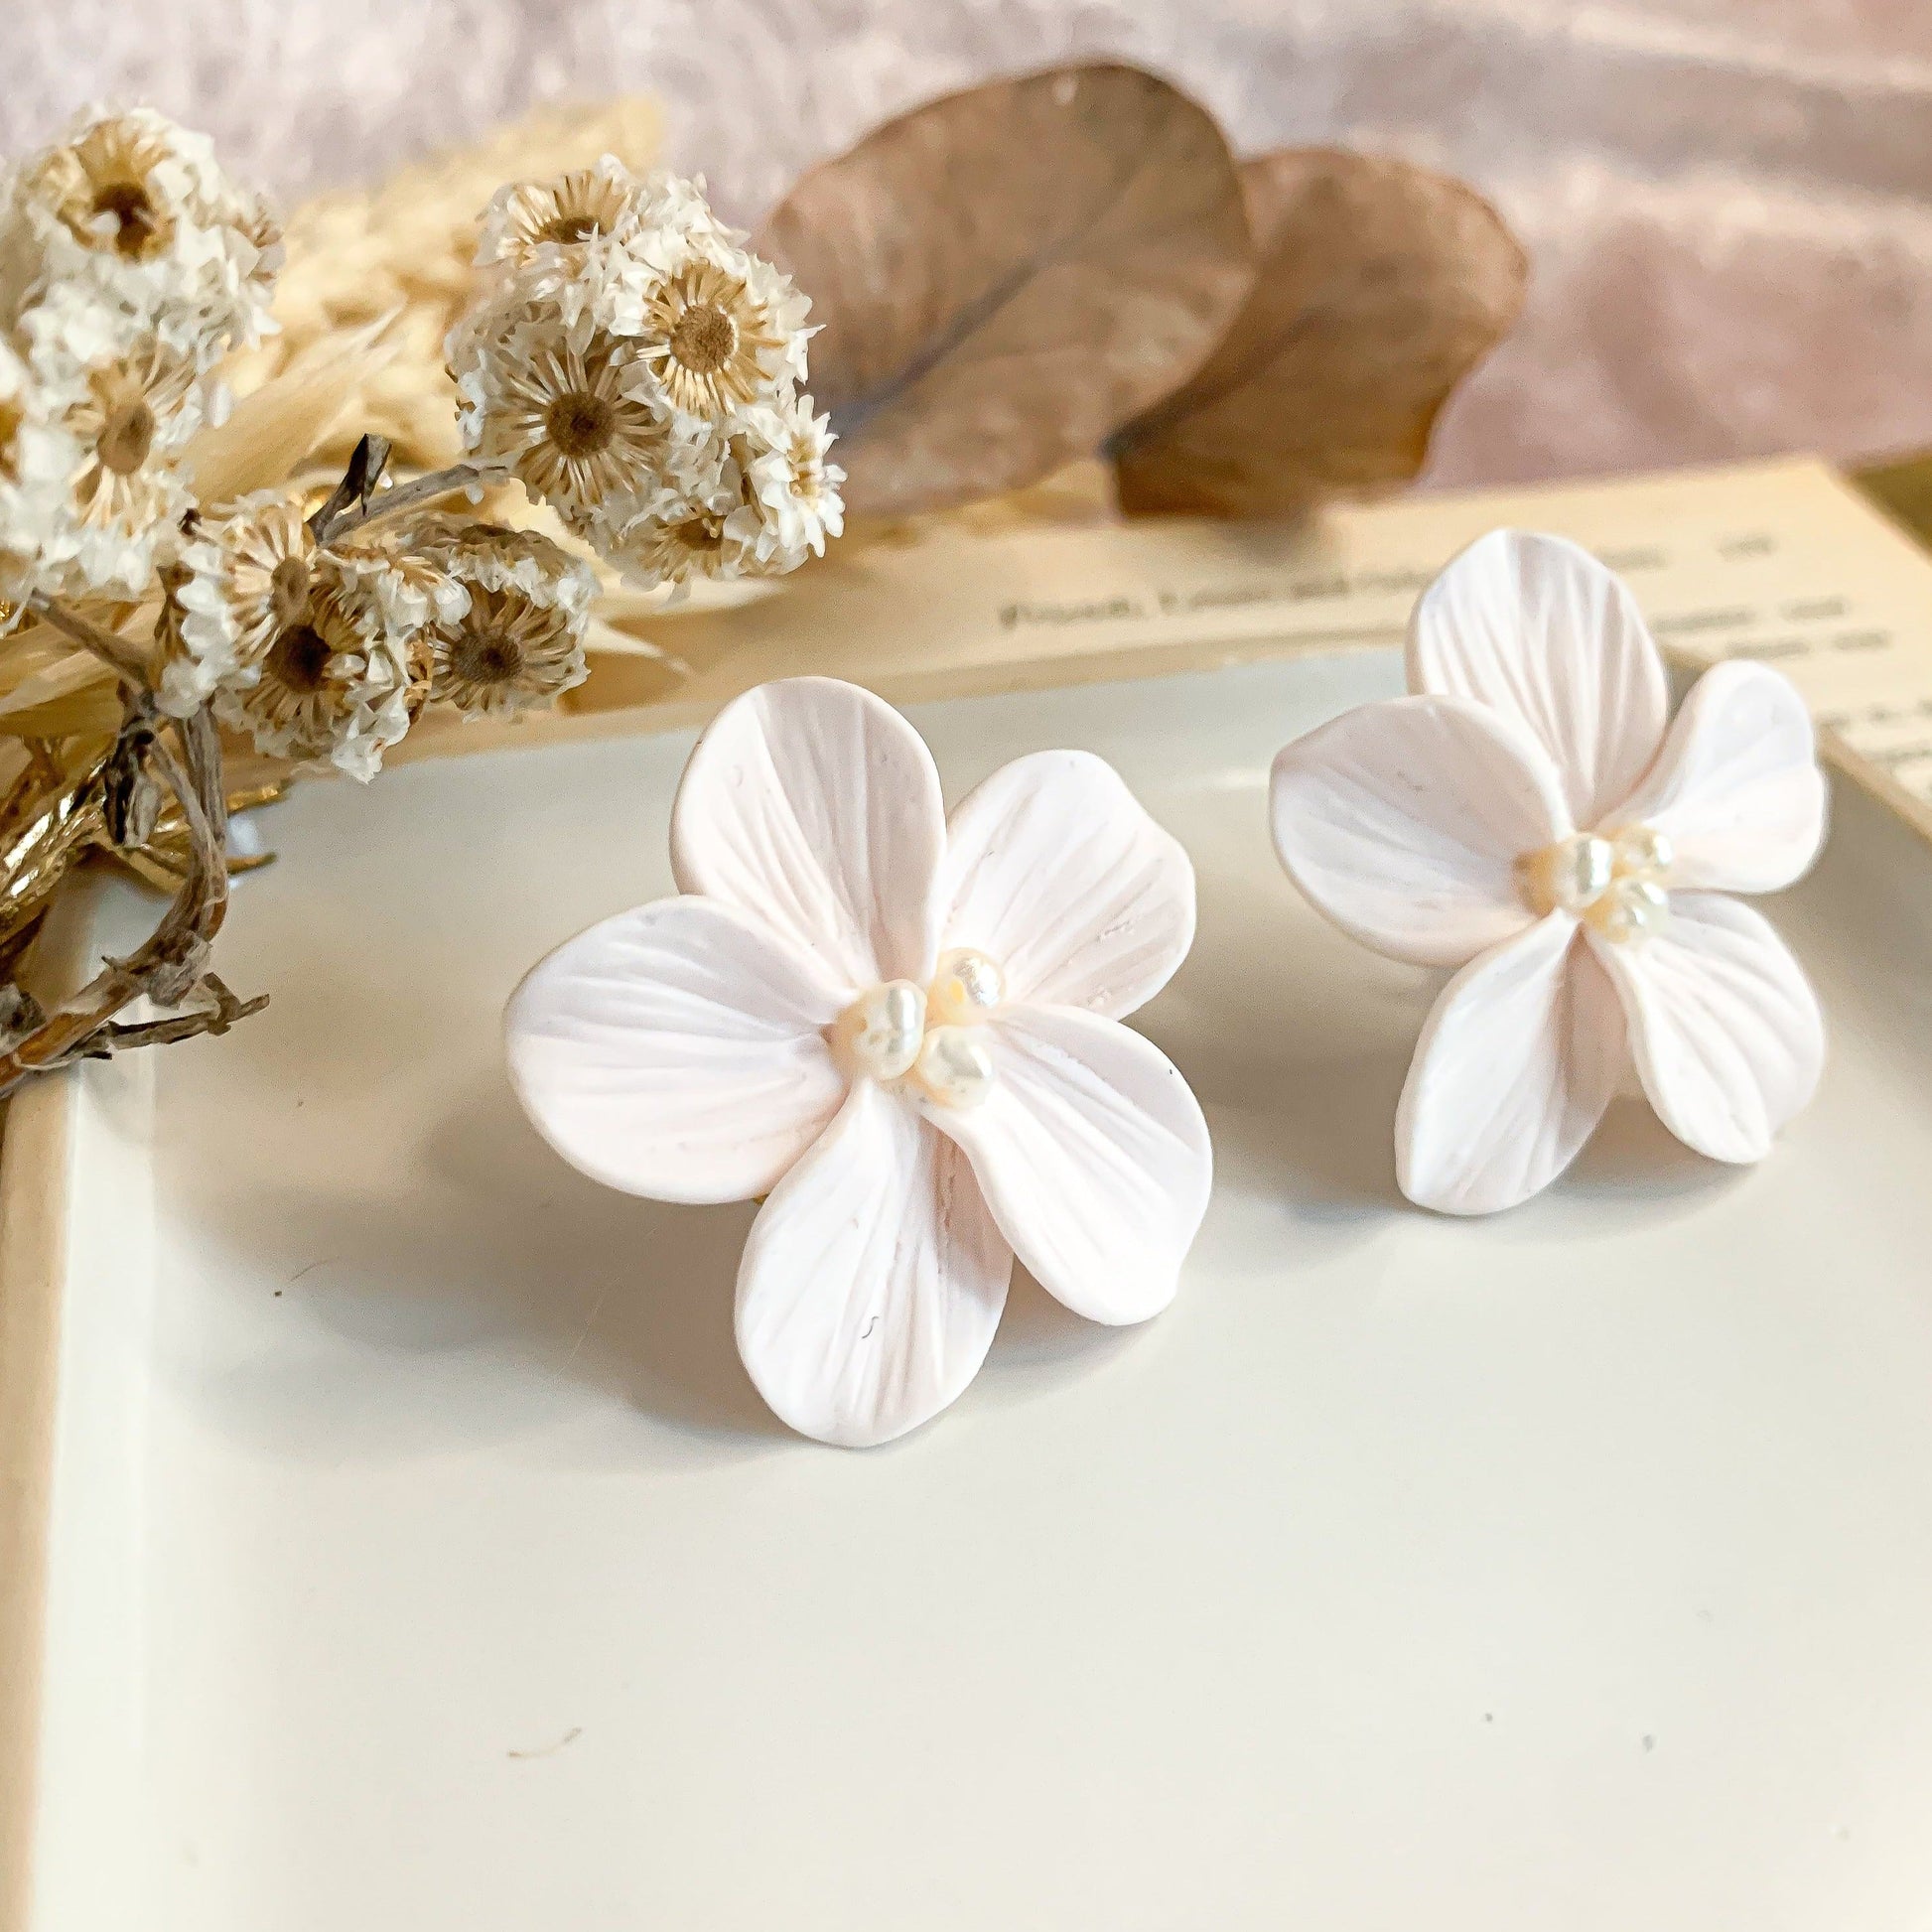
[359, 498]
[171, 966]
[122, 656]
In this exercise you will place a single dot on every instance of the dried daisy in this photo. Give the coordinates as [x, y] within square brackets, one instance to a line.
[697, 542]
[525, 219]
[112, 187]
[126, 416]
[519, 640]
[411, 587]
[781, 450]
[572, 413]
[333, 686]
[242, 582]
[770, 499]
[140, 210]
[721, 331]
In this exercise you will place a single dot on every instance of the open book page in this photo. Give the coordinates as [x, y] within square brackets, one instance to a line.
[1782, 561]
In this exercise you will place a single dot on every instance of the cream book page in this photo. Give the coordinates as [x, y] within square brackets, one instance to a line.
[1780, 560]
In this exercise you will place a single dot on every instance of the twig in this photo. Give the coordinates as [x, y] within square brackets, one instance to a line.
[124, 657]
[358, 499]
[367, 463]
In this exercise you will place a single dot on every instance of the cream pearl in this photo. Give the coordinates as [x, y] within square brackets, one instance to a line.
[1642, 852]
[1570, 875]
[966, 988]
[1613, 882]
[955, 1067]
[1633, 909]
[884, 1028]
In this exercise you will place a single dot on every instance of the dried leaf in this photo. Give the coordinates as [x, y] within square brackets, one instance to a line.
[88, 710]
[1007, 275]
[36, 676]
[1379, 285]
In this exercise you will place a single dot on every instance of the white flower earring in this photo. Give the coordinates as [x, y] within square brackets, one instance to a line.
[901, 1029]
[1526, 817]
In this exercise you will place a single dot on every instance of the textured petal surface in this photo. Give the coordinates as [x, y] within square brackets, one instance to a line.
[1403, 822]
[1094, 1158]
[675, 1052]
[1537, 628]
[873, 1279]
[816, 806]
[1055, 870]
[1736, 787]
[1514, 1069]
[1728, 1038]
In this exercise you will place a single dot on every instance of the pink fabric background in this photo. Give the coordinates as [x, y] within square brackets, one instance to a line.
[1729, 202]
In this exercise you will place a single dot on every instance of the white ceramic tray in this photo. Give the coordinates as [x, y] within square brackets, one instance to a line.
[423, 1559]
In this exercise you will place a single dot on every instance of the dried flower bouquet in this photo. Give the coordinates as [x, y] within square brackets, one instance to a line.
[167, 571]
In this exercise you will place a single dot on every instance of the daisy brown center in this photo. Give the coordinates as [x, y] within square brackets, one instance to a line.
[300, 660]
[126, 435]
[705, 338]
[139, 229]
[580, 424]
[573, 225]
[702, 532]
[486, 658]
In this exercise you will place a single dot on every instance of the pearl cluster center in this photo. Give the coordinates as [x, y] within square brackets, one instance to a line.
[926, 1035]
[1613, 881]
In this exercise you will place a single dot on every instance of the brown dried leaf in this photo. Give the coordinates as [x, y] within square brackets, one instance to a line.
[1379, 286]
[1005, 275]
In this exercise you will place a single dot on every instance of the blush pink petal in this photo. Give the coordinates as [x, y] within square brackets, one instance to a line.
[1725, 1030]
[816, 806]
[1538, 629]
[873, 1279]
[1055, 870]
[1093, 1157]
[676, 1052]
[1736, 787]
[1403, 823]
[1516, 1064]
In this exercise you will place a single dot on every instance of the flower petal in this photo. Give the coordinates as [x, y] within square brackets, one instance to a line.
[1540, 630]
[1403, 822]
[816, 806]
[1055, 870]
[1094, 1158]
[1515, 1065]
[676, 1052]
[1728, 1038]
[1736, 788]
[872, 1277]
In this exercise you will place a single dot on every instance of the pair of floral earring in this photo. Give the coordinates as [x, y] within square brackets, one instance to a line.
[904, 1029]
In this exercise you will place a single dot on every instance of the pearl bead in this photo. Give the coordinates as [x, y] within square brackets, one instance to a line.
[956, 1067]
[1641, 850]
[884, 1028]
[966, 987]
[1633, 909]
[1570, 875]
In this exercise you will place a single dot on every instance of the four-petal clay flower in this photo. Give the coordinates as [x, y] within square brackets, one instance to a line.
[1527, 818]
[901, 1029]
